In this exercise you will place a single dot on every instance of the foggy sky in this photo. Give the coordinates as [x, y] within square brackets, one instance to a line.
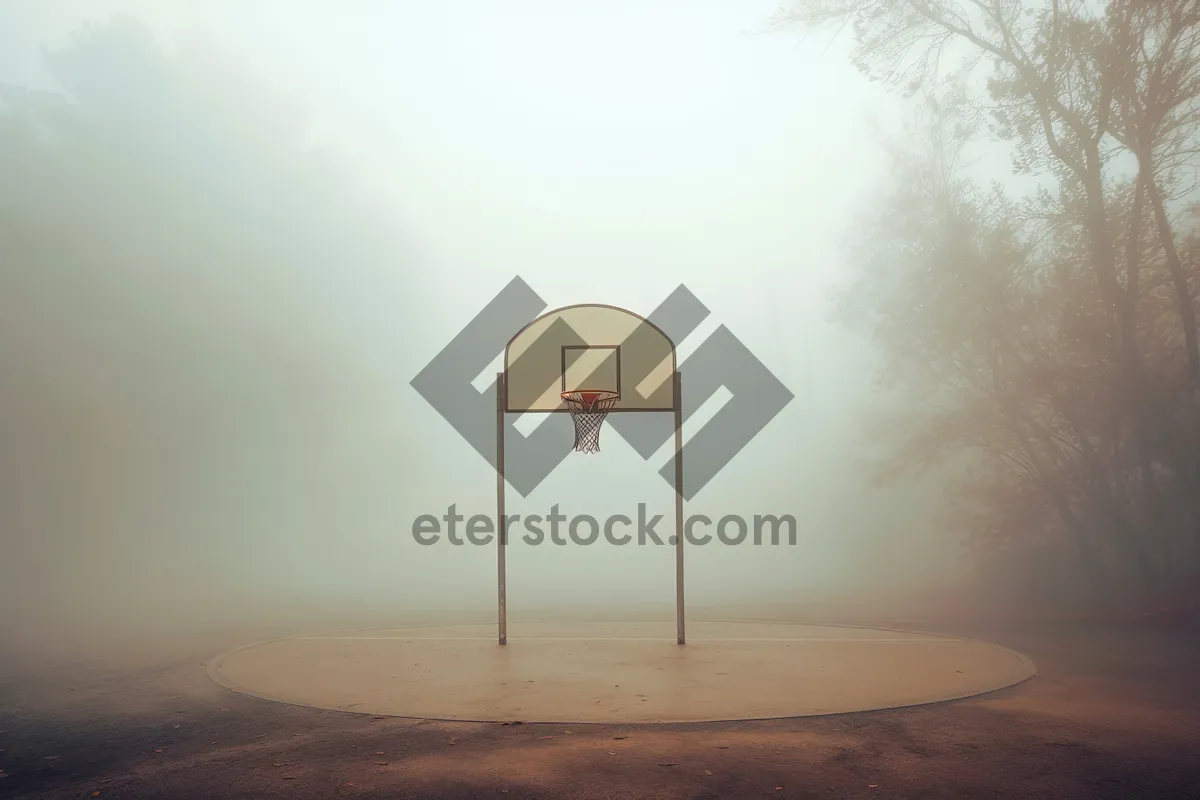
[254, 441]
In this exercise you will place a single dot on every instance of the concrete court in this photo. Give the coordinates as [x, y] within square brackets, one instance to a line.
[618, 672]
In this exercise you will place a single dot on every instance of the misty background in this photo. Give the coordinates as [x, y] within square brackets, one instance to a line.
[232, 233]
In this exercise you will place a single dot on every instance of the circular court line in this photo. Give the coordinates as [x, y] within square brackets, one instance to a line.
[584, 680]
[614, 639]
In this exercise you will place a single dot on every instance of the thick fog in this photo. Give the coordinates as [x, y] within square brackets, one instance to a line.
[236, 232]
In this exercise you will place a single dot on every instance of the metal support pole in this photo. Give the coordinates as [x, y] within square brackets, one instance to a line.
[501, 532]
[678, 509]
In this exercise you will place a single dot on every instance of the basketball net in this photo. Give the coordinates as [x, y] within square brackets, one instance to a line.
[588, 410]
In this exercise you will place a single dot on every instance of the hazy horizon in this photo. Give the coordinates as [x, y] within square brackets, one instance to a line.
[603, 156]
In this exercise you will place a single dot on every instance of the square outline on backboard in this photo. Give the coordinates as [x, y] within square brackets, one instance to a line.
[614, 347]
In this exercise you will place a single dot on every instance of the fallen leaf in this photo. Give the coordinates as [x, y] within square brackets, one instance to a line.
[619, 738]
[872, 785]
[546, 737]
[612, 752]
[668, 763]
[708, 772]
[378, 752]
[215, 741]
[722, 747]
[778, 788]
[382, 763]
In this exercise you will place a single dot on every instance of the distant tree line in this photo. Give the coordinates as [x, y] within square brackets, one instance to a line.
[1048, 339]
[197, 305]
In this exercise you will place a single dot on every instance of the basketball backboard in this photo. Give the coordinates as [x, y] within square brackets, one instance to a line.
[594, 348]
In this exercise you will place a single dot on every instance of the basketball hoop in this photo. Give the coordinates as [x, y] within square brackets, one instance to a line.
[576, 359]
[588, 410]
